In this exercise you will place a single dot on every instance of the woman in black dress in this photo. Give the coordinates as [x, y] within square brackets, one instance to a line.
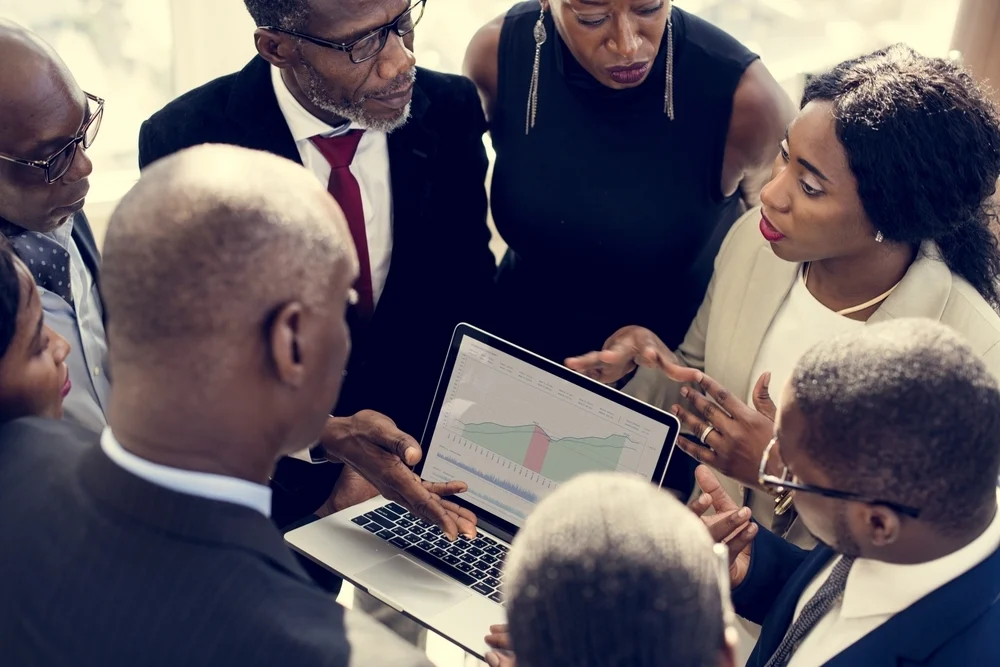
[627, 132]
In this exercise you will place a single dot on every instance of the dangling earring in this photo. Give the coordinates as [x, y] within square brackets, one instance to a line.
[540, 36]
[668, 96]
[878, 237]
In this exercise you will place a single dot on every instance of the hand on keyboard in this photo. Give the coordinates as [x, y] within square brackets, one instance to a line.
[370, 443]
[499, 639]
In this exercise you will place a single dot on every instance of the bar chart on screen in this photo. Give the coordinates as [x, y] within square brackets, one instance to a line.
[514, 432]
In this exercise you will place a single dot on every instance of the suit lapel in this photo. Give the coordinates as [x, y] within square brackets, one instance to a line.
[254, 107]
[411, 149]
[923, 292]
[915, 633]
[84, 238]
[769, 284]
[779, 619]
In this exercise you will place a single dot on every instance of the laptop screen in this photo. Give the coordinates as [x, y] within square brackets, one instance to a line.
[514, 431]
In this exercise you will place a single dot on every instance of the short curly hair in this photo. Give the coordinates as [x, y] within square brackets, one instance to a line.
[904, 411]
[289, 14]
[923, 141]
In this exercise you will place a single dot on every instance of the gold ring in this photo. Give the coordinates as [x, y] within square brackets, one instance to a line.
[704, 433]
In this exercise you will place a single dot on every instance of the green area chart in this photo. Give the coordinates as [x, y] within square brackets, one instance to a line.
[559, 459]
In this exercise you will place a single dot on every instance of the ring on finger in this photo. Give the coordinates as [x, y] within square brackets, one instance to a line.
[705, 431]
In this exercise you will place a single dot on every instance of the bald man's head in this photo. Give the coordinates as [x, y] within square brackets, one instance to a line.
[42, 110]
[226, 278]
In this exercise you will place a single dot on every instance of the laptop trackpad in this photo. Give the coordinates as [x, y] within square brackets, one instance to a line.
[401, 582]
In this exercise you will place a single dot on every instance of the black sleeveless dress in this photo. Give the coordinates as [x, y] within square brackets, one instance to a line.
[613, 213]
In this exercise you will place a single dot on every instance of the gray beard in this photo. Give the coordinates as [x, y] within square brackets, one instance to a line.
[355, 112]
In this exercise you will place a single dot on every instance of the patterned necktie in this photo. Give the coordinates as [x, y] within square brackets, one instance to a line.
[339, 152]
[818, 607]
[46, 259]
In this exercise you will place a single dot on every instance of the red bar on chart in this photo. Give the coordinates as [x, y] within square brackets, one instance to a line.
[538, 447]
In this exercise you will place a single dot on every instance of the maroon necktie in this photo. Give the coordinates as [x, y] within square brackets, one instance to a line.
[339, 152]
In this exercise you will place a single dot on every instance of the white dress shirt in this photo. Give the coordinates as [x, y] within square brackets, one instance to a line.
[83, 327]
[201, 484]
[370, 168]
[876, 591]
[800, 323]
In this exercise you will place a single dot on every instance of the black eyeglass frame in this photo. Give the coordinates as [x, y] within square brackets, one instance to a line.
[780, 484]
[81, 138]
[382, 33]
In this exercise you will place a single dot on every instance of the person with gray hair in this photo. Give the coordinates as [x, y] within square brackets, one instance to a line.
[610, 571]
[227, 277]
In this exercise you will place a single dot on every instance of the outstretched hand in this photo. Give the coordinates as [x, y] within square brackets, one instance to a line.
[627, 349]
[734, 434]
[729, 524]
[371, 444]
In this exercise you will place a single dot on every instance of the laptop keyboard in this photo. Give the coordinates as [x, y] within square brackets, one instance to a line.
[478, 563]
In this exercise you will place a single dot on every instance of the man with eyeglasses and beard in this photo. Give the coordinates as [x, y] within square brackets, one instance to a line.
[335, 87]
[46, 124]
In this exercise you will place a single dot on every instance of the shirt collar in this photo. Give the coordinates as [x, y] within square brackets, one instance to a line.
[63, 235]
[875, 588]
[189, 482]
[302, 124]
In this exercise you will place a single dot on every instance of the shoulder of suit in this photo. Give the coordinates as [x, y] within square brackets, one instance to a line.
[450, 93]
[210, 98]
[40, 428]
[743, 240]
[972, 316]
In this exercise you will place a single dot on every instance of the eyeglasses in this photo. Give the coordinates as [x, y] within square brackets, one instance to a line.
[370, 45]
[56, 166]
[790, 482]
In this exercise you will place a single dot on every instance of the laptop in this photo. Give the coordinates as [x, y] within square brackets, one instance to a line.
[513, 426]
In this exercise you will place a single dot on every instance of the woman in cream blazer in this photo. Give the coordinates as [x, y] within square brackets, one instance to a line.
[878, 208]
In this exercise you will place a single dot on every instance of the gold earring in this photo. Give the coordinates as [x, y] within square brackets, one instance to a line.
[668, 95]
[540, 36]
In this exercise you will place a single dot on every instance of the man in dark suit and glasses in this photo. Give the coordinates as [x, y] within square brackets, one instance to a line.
[227, 279]
[889, 438]
[335, 88]
[46, 124]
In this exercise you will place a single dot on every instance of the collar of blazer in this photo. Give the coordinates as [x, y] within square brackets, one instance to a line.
[185, 517]
[254, 107]
[923, 292]
[921, 629]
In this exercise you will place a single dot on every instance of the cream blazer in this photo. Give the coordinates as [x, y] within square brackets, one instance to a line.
[748, 287]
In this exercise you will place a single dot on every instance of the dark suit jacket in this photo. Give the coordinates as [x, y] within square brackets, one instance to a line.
[103, 568]
[441, 270]
[958, 624]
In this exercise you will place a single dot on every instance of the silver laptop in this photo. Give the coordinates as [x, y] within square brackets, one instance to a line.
[513, 426]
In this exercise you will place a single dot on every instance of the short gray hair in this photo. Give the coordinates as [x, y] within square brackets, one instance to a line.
[608, 571]
[289, 14]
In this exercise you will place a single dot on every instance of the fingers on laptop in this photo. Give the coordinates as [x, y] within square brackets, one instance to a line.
[500, 659]
[499, 637]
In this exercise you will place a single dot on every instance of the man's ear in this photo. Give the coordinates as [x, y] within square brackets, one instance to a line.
[285, 338]
[276, 48]
[882, 524]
